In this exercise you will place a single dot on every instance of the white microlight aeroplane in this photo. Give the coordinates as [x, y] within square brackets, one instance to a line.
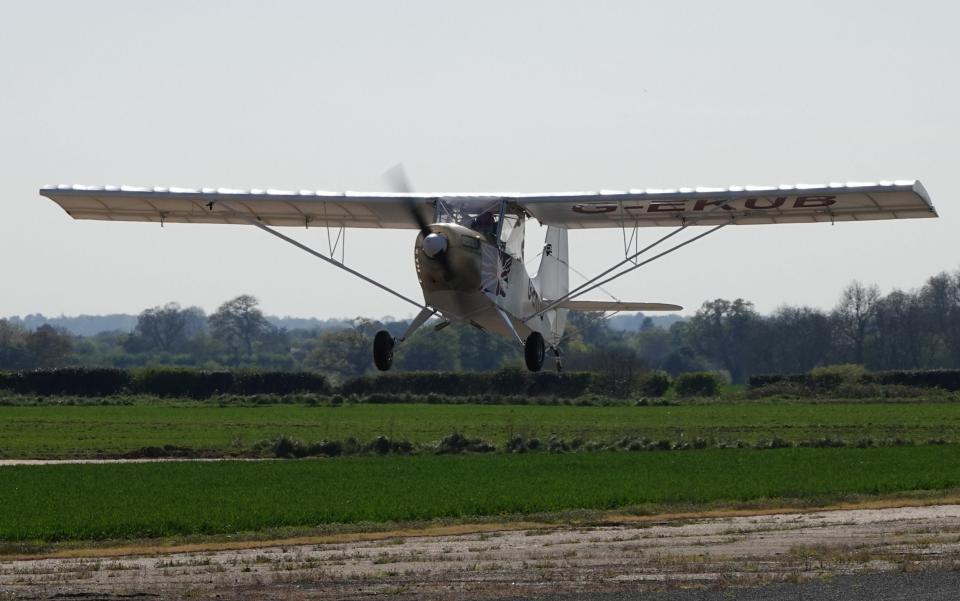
[469, 254]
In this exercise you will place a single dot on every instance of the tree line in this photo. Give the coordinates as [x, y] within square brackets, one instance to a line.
[917, 329]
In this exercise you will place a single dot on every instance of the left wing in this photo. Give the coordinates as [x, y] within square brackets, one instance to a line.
[208, 205]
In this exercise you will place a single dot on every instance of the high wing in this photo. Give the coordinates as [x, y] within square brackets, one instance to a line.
[745, 205]
[700, 206]
[578, 305]
[270, 207]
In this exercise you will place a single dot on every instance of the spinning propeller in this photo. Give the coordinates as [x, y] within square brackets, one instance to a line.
[434, 245]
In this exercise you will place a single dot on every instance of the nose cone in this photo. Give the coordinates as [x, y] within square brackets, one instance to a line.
[434, 244]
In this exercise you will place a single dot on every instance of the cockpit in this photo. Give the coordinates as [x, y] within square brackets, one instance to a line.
[498, 221]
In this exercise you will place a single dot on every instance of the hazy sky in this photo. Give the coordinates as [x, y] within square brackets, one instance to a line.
[500, 96]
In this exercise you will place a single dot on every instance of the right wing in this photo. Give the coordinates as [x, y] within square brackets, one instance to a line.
[270, 207]
[738, 205]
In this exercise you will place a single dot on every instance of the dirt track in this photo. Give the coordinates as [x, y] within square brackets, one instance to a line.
[513, 563]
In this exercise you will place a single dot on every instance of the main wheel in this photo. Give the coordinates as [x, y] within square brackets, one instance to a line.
[534, 350]
[383, 350]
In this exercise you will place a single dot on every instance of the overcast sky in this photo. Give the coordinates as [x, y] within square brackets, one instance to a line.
[500, 96]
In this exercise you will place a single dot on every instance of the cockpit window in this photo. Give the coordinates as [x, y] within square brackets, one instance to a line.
[469, 212]
[482, 215]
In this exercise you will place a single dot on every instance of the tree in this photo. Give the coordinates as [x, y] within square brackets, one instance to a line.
[590, 327]
[899, 334]
[855, 319]
[46, 347]
[430, 351]
[239, 324]
[168, 328]
[726, 332]
[12, 352]
[343, 353]
[940, 305]
[653, 344]
[483, 351]
[796, 340]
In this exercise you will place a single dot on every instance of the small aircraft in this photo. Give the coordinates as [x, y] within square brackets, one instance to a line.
[469, 253]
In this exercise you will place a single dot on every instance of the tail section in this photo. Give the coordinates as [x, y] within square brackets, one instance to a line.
[553, 280]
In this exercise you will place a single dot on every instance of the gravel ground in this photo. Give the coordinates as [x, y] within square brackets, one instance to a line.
[885, 586]
[908, 552]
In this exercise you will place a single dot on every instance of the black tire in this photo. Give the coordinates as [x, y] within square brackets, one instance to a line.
[383, 350]
[534, 350]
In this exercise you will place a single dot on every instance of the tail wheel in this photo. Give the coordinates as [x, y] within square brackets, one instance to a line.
[534, 350]
[383, 350]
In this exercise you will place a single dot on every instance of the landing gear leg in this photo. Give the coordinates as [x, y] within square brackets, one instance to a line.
[556, 354]
[534, 351]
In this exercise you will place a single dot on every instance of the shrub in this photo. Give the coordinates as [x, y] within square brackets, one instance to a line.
[613, 385]
[557, 445]
[287, 447]
[278, 382]
[777, 388]
[458, 443]
[831, 377]
[659, 445]
[762, 380]
[170, 382]
[700, 383]
[199, 384]
[504, 382]
[351, 446]
[654, 383]
[516, 444]
[327, 448]
[566, 384]
[824, 443]
[853, 381]
[948, 379]
[775, 443]
[7, 380]
[380, 445]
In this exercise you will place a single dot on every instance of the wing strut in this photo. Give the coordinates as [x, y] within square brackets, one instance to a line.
[590, 285]
[506, 320]
[305, 248]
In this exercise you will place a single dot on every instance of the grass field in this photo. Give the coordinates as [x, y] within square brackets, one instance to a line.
[72, 431]
[118, 501]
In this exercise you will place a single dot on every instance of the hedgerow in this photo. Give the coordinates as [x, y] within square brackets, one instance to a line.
[507, 381]
[172, 382]
[162, 382]
[854, 378]
[72, 381]
[509, 386]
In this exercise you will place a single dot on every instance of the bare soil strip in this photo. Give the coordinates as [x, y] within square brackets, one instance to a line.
[638, 554]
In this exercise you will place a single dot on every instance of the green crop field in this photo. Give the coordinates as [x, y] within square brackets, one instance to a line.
[86, 431]
[117, 501]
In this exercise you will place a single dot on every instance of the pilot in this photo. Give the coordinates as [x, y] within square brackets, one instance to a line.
[485, 224]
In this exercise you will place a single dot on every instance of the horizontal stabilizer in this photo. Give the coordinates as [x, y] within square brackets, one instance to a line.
[578, 305]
